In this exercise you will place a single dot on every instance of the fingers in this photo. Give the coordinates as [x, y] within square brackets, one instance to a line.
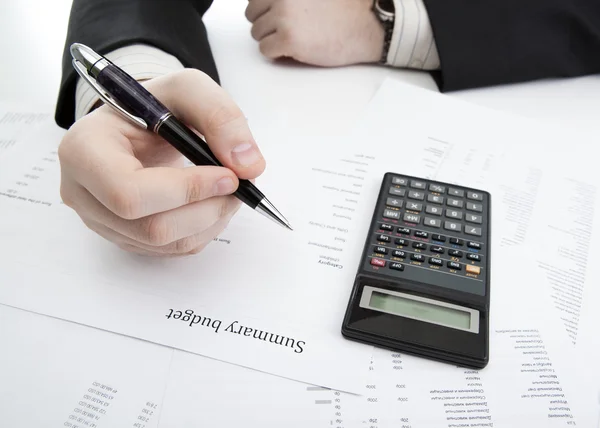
[263, 27]
[116, 179]
[257, 8]
[159, 230]
[126, 183]
[273, 46]
[197, 100]
[189, 245]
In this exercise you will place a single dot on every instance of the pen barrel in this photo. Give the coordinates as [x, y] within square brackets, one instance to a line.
[193, 147]
[132, 96]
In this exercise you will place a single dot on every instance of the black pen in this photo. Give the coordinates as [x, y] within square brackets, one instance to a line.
[132, 100]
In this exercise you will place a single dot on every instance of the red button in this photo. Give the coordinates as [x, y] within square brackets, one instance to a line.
[377, 262]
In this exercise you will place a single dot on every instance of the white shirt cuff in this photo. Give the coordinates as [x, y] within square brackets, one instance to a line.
[412, 44]
[142, 62]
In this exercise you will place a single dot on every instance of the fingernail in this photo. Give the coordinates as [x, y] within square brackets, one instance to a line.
[245, 154]
[225, 186]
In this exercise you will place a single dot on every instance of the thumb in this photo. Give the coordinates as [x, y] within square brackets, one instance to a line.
[195, 99]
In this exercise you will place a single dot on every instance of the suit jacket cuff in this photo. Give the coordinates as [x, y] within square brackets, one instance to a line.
[175, 27]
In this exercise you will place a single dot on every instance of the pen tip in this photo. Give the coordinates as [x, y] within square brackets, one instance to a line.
[266, 208]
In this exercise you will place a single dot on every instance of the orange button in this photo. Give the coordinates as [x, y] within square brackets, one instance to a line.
[473, 269]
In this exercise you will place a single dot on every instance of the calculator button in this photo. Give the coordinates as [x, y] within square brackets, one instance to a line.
[391, 214]
[474, 207]
[456, 241]
[473, 218]
[394, 202]
[399, 254]
[475, 196]
[397, 192]
[433, 222]
[450, 225]
[437, 249]
[435, 199]
[419, 246]
[435, 261]
[400, 241]
[418, 184]
[456, 192]
[384, 238]
[437, 237]
[437, 188]
[433, 210]
[470, 230]
[475, 245]
[454, 214]
[421, 234]
[377, 262]
[414, 206]
[455, 203]
[404, 230]
[411, 218]
[455, 253]
[454, 265]
[399, 181]
[384, 226]
[417, 257]
[416, 195]
[474, 257]
[397, 266]
[473, 269]
[381, 250]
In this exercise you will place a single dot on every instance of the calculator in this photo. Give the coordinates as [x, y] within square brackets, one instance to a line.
[423, 281]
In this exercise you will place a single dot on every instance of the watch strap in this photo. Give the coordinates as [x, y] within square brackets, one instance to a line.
[388, 27]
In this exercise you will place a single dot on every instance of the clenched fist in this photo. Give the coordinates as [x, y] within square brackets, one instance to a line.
[317, 32]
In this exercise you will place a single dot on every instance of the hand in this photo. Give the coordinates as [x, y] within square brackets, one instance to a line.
[318, 32]
[130, 186]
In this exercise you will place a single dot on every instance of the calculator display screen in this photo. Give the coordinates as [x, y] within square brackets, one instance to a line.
[420, 310]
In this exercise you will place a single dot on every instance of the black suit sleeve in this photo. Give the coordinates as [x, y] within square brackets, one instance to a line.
[174, 26]
[490, 42]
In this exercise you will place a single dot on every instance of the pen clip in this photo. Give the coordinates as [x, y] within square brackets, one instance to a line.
[82, 71]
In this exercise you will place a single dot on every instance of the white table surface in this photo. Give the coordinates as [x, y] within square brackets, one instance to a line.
[32, 38]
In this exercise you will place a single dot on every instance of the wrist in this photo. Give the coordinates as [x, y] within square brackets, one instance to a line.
[375, 38]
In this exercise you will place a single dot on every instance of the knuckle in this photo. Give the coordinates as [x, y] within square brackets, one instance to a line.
[222, 116]
[185, 245]
[189, 76]
[196, 188]
[288, 36]
[157, 231]
[248, 11]
[67, 197]
[63, 148]
[125, 202]
[228, 207]
[224, 208]
[196, 250]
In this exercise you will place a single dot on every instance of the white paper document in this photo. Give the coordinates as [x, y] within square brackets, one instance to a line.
[55, 373]
[259, 296]
[15, 121]
[545, 190]
[265, 298]
[80, 377]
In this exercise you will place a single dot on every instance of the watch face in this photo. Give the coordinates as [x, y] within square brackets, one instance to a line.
[386, 5]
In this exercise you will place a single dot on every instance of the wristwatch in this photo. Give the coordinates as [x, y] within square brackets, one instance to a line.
[385, 12]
